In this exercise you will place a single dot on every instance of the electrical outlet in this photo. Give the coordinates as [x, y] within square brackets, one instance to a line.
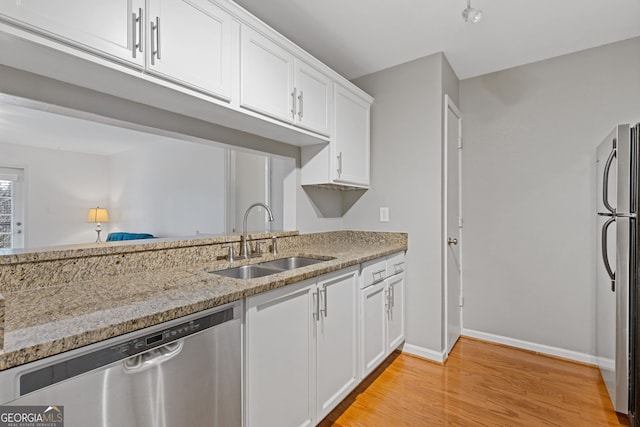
[384, 214]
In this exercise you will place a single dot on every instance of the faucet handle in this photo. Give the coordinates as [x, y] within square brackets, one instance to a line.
[258, 251]
[274, 245]
[229, 247]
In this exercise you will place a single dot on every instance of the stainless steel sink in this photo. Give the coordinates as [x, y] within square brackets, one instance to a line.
[291, 263]
[247, 272]
[267, 268]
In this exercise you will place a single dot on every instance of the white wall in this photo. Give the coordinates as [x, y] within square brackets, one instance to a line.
[317, 209]
[406, 134]
[528, 191]
[169, 189]
[61, 186]
[249, 177]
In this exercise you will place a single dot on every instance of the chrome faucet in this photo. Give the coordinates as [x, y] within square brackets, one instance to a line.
[244, 247]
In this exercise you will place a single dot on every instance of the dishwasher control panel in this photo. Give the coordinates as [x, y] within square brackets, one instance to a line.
[70, 368]
[147, 342]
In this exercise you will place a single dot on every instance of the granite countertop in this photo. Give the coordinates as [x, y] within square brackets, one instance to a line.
[47, 321]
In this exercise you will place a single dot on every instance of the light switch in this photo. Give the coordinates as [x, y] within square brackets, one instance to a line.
[384, 214]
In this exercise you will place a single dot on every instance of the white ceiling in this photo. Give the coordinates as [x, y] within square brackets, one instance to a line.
[45, 129]
[358, 37]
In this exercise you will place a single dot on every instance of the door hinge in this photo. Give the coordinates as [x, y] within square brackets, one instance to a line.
[460, 222]
[460, 143]
[461, 302]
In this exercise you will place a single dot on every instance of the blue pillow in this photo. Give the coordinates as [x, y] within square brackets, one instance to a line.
[114, 237]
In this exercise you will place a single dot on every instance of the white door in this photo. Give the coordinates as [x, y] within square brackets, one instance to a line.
[111, 27]
[11, 208]
[266, 76]
[372, 327]
[453, 223]
[337, 357]
[280, 357]
[191, 41]
[313, 99]
[395, 311]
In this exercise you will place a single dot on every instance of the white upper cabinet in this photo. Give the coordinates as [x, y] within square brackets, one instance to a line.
[351, 138]
[234, 70]
[344, 162]
[112, 27]
[277, 84]
[190, 41]
[313, 96]
[266, 76]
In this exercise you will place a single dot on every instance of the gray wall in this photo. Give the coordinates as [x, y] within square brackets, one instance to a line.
[528, 191]
[406, 177]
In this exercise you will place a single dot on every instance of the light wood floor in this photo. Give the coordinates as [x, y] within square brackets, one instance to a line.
[482, 384]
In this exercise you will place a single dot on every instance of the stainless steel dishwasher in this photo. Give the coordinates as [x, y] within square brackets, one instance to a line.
[186, 372]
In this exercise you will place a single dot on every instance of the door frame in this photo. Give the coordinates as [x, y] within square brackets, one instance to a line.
[448, 104]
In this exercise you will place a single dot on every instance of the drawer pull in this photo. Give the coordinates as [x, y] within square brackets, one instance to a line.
[379, 273]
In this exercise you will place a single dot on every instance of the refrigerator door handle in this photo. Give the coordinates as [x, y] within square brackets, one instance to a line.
[605, 181]
[605, 256]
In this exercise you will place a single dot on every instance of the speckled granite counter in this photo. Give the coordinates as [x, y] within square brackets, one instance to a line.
[81, 296]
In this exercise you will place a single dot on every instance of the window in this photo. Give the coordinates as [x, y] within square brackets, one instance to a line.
[11, 208]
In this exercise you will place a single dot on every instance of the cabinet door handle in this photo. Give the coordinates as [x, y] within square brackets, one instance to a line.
[316, 305]
[300, 105]
[324, 301]
[392, 295]
[155, 40]
[136, 33]
[339, 170]
[293, 103]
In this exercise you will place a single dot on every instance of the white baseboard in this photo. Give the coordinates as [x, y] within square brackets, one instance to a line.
[424, 352]
[538, 348]
[607, 364]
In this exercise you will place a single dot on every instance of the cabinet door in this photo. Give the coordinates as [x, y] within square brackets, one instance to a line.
[350, 138]
[106, 26]
[313, 94]
[395, 311]
[280, 357]
[191, 44]
[336, 335]
[266, 81]
[373, 335]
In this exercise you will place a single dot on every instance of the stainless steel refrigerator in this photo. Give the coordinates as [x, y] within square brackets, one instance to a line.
[616, 293]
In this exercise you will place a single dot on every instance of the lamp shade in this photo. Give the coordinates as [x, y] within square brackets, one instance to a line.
[98, 215]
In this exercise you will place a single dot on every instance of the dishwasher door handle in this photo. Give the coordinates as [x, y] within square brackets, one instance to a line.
[151, 358]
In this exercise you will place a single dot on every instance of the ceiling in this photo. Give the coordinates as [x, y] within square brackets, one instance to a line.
[44, 129]
[359, 37]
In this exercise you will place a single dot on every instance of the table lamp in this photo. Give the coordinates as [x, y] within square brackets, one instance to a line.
[98, 215]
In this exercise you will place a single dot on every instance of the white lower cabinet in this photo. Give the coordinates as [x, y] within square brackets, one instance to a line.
[374, 343]
[337, 341]
[301, 350]
[382, 324]
[395, 311]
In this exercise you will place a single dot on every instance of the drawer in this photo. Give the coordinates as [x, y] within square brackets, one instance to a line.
[372, 272]
[395, 264]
